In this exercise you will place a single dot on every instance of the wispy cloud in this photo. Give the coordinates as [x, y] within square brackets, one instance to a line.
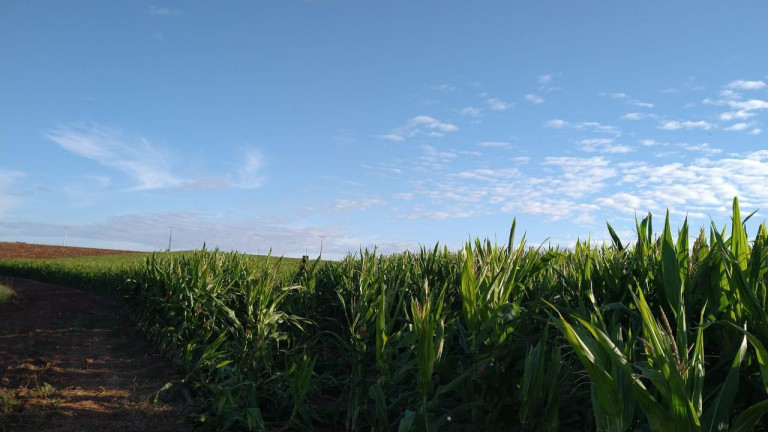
[493, 144]
[532, 98]
[360, 204]
[471, 112]
[249, 175]
[638, 116]
[162, 11]
[740, 109]
[433, 159]
[736, 115]
[420, 125]
[602, 145]
[443, 88]
[546, 83]
[8, 177]
[147, 165]
[392, 137]
[749, 105]
[498, 105]
[677, 125]
[739, 127]
[583, 126]
[702, 149]
[624, 97]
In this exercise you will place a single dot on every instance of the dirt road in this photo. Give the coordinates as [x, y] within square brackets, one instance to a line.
[72, 360]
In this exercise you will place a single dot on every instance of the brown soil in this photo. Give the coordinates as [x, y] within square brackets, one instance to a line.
[72, 360]
[9, 250]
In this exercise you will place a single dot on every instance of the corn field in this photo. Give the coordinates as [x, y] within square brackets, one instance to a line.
[656, 335]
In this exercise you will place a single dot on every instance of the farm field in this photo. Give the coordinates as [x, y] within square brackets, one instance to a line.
[665, 331]
[16, 250]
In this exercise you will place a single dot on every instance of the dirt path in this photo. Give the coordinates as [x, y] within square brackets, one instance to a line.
[71, 360]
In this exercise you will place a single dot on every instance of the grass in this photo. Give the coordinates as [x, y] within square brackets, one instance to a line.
[5, 294]
[653, 334]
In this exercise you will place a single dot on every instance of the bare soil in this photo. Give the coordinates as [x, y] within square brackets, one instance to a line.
[11, 250]
[71, 360]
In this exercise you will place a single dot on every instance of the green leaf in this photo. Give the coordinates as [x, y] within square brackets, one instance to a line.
[615, 238]
[670, 268]
[739, 244]
[747, 420]
[406, 423]
[718, 413]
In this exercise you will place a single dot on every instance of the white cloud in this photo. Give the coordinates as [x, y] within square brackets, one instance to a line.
[733, 115]
[9, 177]
[627, 99]
[755, 131]
[521, 159]
[749, 105]
[546, 83]
[626, 203]
[443, 88]
[602, 145]
[703, 148]
[616, 148]
[583, 190]
[430, 123]
[162, 11]
[471, 112]
[137, 158]
[361, 204]
[493, 144]
[641, 104]
[420, 125]
[596, 141]
[498, 105]
[579, 177]
[703, 184]
[676, 125]
[746, 85]
[556, 123]
[638, 116]
[392, 137]
[729, 94]
[742, 126]
[594, 127]
[433, 159]
[532, 98]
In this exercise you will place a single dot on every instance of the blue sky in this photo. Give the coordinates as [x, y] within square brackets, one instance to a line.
[267, 124]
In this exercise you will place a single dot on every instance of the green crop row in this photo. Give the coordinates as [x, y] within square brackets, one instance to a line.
[660, 334]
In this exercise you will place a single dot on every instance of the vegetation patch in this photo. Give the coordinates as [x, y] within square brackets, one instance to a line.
[5, 294]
